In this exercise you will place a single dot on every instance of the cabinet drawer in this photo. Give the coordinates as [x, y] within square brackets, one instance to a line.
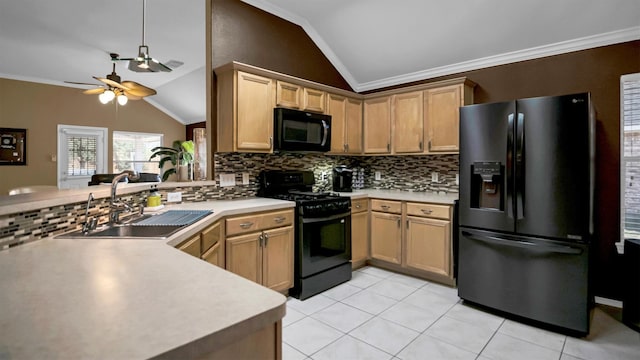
[276, 219]
[212, 256]
[429, 210]
[359, 205]
[386, 206]
[243, 224]
[191, 246]
[211, 236]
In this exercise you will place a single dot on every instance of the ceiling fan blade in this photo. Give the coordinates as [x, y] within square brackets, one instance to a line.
[138, 89]
[131, 96]
[111, 83]
[146, 64]
[80, 83]
[99, 90]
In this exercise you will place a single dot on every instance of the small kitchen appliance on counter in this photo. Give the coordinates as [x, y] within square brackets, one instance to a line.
[342, 179]
[322, 227]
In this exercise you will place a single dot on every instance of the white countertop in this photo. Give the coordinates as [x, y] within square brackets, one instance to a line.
[127, 298]
[443, 198]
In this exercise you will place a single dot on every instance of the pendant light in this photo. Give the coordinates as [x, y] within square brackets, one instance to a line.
[144, 62]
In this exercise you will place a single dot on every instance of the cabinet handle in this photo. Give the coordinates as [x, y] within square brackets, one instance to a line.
[271, 141]
[429, 145]
[421, 146]
[385, 207]
[279, 219]
[246, 225]
[261, 240]
[398, 222]
[346, 147]
[426, 211]
[266, 239]
[358, 206]
[407, 224]
[388, 147]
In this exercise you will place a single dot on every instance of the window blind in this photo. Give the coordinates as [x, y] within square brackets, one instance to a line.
[81, 152]
[630, 160]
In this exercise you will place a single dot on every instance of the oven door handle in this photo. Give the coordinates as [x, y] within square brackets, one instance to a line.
[324, 218]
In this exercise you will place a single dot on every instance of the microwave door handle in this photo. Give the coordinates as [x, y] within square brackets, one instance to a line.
[325, 128]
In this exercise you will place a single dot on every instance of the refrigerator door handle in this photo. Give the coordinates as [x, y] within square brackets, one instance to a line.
[519, 163]
[522, 244]
[509, 168]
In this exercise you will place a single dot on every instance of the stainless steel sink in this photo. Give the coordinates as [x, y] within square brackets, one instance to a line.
[128, 230]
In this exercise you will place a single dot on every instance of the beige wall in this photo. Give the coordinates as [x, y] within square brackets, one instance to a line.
[39, 108]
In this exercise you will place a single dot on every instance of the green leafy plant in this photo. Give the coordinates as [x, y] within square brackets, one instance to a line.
[180, 153]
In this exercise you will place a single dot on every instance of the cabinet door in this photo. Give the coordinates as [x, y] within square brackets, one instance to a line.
[254, 122]
[244, 256]
[377, 125]
[428, 245]
[443, 122]
[408, 122]
[277, 259]
[359, 237]
[213, 255]
[386, 237]
[288, 95]
[353, 126]
[191, 246]
[313, 100]
[336, 107]
[212, 240]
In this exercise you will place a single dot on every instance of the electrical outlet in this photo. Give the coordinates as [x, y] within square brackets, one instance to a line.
[245, 178]
[378, 175]
[323, 176]
[227, 180]
[174, 197]
[434, 177]
[457, 179]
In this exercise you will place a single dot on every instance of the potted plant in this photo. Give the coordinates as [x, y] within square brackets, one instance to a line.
[180, 154]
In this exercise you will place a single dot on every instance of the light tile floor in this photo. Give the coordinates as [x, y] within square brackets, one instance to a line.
[383, 315]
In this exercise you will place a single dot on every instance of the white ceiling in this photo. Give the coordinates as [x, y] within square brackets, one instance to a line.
[378, 43]
[373, 43]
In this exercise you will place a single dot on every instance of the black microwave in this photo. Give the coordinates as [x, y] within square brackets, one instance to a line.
[296, 130]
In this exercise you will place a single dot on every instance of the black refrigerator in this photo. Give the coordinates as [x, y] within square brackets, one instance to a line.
[526, 208]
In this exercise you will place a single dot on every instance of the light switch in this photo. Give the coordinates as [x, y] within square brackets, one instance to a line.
[457, 179]
[174, 197]
[378, 175]
[434, 177]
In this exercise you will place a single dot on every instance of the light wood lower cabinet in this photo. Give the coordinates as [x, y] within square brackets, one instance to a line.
[386, 237]
[421, 247]
[359, 232]
[428, 245]
[264, 254]
[207, 245]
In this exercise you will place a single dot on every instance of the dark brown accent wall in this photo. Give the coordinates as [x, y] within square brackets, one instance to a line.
[246, 34]
[243, 33]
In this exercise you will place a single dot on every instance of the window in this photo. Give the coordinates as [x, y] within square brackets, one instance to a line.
[81, 153]
[630, 155]
[131, 151]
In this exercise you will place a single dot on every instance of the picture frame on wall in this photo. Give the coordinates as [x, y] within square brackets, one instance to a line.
[13, 146]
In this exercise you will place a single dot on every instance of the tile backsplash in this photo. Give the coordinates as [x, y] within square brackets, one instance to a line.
[409, 173]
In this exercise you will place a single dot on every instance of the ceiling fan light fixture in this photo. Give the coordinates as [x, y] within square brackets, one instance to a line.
[122, 99]
[103, 98]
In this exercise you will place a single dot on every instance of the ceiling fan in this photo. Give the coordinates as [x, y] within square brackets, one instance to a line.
[144, 62]
[115, 88]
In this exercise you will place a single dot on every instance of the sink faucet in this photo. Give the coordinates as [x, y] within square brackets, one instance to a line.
[118, 206]
[89, 223]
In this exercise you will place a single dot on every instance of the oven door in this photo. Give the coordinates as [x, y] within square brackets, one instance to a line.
[325, 242]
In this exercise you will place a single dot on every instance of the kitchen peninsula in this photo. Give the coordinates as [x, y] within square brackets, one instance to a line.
[130, 298]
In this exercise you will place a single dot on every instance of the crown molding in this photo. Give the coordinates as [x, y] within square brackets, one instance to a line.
[562, 47]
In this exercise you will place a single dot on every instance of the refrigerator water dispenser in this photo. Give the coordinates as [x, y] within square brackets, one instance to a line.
[486, 189]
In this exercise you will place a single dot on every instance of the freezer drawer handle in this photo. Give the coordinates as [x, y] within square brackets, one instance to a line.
[523, 244]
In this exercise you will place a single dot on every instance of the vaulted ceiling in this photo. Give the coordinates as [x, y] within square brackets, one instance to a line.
[372, 43]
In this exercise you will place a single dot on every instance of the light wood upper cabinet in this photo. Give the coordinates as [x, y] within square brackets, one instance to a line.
[377, 125]
[408, 122]
[346, 124]
[313, 100]
[442, 115]
[288, 95]
[245, 112]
